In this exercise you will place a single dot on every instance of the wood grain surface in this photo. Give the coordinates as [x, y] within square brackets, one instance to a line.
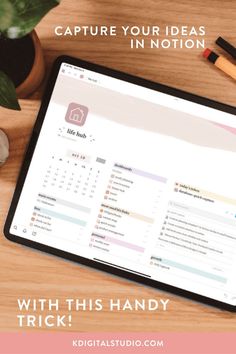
[28, 273]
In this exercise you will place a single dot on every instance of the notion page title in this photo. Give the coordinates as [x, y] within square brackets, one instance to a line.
[143, 36]
[58, 313]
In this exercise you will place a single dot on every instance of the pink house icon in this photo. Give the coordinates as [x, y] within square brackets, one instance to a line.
[76, 114]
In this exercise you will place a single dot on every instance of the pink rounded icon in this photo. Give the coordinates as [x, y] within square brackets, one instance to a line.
[76, 114]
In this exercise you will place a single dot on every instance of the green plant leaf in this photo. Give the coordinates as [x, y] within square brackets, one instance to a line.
[26, 15]
[6, 14]
[8, 97]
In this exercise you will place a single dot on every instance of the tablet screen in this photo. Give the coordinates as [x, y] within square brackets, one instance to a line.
[137, 179]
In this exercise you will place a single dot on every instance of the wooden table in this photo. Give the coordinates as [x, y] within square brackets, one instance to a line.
[28, 273]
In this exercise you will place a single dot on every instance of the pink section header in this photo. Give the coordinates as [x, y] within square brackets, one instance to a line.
[165, 343]
[226, 127]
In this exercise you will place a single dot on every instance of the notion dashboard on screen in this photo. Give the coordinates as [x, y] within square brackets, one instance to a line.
[136, 179]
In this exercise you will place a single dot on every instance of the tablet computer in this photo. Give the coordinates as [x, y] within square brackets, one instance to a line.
[134, 178]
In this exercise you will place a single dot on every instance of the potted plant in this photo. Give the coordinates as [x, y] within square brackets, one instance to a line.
[21, 57]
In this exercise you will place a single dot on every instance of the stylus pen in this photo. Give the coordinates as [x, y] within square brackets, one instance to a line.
[226, 46]
[220, 62]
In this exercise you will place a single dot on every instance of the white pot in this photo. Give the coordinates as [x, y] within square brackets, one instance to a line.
[4, 147]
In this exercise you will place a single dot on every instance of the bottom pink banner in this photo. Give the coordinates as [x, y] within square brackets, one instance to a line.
[163, 343]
